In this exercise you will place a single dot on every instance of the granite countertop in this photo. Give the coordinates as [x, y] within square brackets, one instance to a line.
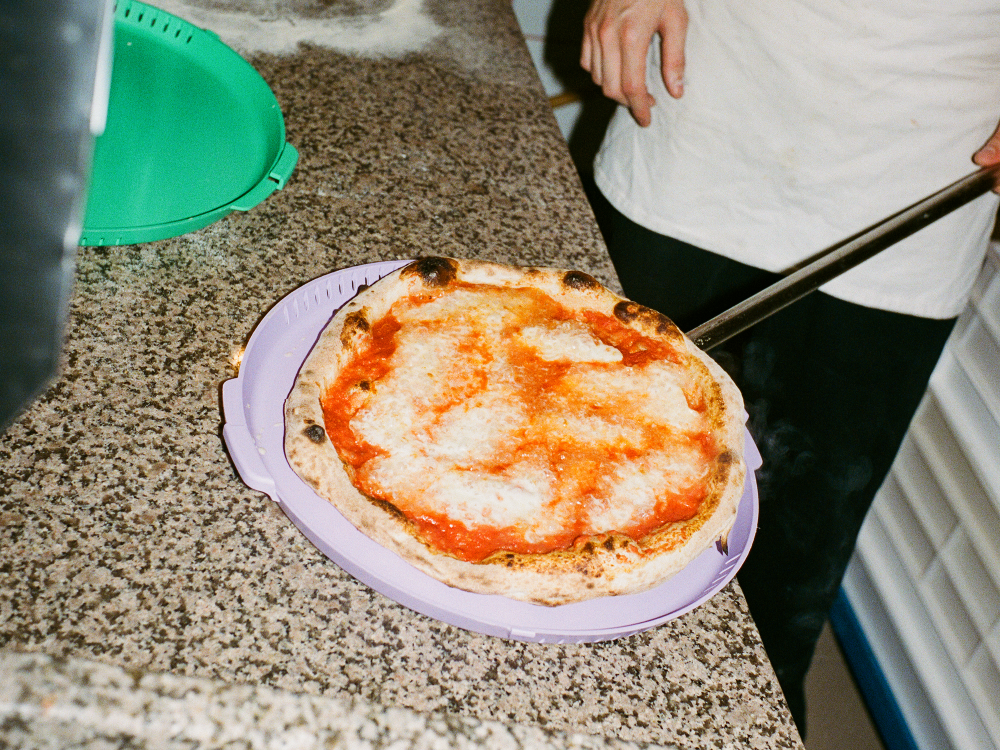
[130, 551]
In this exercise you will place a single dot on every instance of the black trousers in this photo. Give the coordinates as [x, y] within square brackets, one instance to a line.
[830, 388]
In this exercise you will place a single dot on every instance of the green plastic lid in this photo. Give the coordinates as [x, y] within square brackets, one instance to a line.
[193, 133]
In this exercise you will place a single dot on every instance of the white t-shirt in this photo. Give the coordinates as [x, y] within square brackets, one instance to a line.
[804, 122]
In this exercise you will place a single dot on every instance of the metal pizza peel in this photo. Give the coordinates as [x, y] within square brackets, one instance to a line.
[842, 257]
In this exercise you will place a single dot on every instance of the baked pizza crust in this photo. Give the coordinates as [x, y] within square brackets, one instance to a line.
[612, 565]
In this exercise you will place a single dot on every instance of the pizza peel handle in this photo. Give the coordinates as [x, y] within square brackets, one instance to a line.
[842, 257]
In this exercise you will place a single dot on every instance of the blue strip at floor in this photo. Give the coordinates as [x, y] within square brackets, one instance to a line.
[871, 680]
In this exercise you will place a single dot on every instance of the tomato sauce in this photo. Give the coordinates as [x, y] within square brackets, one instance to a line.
[473, 545]
[580, 467]
[340, 402]
[637, 349]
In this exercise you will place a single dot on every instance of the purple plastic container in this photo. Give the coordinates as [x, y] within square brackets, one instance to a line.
[253, 405]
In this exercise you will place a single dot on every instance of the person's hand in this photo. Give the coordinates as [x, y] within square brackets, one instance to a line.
[989, 154]
[616, 39]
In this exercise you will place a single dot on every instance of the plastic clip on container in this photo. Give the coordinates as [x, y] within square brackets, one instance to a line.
[193, 133]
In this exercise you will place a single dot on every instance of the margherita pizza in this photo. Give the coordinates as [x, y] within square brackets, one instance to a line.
[518, 431]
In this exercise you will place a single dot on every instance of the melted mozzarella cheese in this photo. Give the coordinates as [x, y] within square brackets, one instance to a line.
[635, 484]
[468, 310]
[567, 341]
[653, 394]
[474, 499]
[475, 432]
[462, 432]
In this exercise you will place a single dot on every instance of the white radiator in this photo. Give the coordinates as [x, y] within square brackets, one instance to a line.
[924, 582]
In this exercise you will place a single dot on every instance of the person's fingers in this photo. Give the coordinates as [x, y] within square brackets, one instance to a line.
[590, 51]
[635, 43]
[591, 54]
[608, 46]
[673, 35]
[586, 55]
[617, 36]
[989, 155]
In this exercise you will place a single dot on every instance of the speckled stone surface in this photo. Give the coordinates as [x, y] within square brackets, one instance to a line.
[48, 703]
[126, 536]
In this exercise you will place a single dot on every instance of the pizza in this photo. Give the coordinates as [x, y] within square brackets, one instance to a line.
[518, 431]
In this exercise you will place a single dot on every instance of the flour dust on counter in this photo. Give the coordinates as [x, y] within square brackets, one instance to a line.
[361, 27]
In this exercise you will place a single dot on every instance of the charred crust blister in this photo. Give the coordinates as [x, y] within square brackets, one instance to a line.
[356, 325]
[627, 312]
[357, 320]
[433, 272]
[389, 508]
[315, 433]
[580, 281]
[724, 465]
[634, 313]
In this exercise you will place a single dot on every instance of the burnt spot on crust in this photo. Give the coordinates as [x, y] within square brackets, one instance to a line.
[357, 320]
[389, 508]
[365, 385]
[356, 325]
[633, 313]
[580, 281]
[594, 544]
[508, 559]
[628, 312]
[433, 272]
[724, 463]
[315, 433]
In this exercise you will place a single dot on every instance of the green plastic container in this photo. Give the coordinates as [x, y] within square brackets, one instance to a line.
[193, 133]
